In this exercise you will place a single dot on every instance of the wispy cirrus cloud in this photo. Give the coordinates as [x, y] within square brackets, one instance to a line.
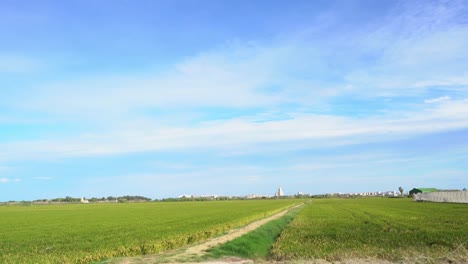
[9, 180]
[418, 46]
[322, 130]
[253, 78]
[437, 100]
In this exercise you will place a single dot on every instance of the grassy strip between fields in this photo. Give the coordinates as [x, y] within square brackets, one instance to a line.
[256, 244]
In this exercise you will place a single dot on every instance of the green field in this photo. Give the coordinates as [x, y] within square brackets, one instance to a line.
[80, 233]
[382, 228]
[331, 229]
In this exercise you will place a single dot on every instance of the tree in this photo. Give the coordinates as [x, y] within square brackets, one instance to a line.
[401, 190]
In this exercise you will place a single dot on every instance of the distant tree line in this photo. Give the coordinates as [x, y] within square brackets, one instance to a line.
[120, 199]
[138, 198]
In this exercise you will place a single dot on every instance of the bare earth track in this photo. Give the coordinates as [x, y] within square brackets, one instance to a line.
[196, 251]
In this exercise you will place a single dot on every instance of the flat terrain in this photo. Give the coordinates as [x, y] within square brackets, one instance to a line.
[376, 228]
[196, 252]
[370, 230]
[361, 230]
[80, 233]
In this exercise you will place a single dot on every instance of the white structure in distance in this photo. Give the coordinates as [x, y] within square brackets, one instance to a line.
[279, 193]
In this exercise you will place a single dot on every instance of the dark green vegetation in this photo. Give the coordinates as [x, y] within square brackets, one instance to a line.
[80, 233]
[256, 244]
[392, 229]
[422, 190]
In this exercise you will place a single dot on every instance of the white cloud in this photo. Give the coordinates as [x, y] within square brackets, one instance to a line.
[416, 47]
[367, 159]
[211, 79]
[8, 180]
[408, 53]
[437, 100]
[457, 83]
[318, 130]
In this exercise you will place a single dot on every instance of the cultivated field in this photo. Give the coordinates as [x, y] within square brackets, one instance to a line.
[378, 228]
[331, 229]
[82, 233]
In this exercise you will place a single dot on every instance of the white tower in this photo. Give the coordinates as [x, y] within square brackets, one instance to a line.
[279, 192]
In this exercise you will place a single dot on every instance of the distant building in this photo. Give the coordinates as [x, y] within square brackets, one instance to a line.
[391, 193]
[256, 196]
[364, 194]
[279, 193]
[442, 197]
[83, 200]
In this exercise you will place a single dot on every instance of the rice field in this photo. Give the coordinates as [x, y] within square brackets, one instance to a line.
[82, 233]
[330, 229]
[381, 228]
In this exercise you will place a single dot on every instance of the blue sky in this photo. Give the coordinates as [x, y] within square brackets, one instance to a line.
[163, 98]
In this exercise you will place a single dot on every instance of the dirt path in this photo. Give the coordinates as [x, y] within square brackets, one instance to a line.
[196, 251]
[233, 234]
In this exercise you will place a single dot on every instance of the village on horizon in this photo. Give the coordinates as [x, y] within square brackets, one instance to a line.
[279, 194]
